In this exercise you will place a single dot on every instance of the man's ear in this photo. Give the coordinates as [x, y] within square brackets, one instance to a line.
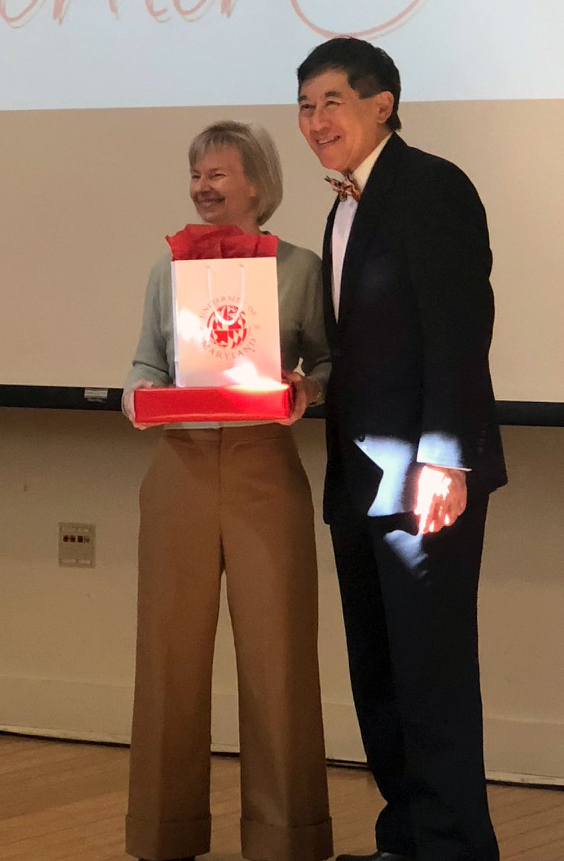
[384, 106]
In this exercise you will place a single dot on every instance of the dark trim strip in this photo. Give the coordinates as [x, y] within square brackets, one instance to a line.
[525, 413]
[537, 414]
[534, 413]
[61, 397]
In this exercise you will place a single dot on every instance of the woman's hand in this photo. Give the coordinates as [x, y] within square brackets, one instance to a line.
[306, 391]
[129, 407]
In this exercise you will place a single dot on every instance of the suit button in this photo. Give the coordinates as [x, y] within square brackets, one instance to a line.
[361, 437]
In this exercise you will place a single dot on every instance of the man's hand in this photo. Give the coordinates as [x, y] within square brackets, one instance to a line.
[128, 406]
[306, 390]
[441, 497]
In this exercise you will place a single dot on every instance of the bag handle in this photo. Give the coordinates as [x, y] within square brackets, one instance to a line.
[216, 313]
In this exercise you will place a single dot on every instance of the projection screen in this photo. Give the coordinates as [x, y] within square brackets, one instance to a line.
[98, 103]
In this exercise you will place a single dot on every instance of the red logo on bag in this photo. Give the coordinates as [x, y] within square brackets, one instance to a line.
[228, 327]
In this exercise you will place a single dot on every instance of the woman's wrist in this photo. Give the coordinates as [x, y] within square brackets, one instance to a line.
[313, 391]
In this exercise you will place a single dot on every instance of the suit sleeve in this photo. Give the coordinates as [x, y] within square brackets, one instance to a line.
[449, 262]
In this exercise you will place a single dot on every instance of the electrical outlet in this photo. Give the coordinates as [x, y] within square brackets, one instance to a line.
[77, 545]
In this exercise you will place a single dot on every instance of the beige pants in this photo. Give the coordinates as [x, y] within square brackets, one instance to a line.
[235, 499]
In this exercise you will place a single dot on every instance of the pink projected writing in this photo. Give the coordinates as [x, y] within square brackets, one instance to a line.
[385, 16]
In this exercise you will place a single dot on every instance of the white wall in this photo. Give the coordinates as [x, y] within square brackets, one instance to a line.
[67, 635]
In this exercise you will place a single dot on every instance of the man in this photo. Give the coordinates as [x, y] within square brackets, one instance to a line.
[413, 450]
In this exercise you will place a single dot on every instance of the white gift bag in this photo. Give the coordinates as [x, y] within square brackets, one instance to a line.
[226, 327]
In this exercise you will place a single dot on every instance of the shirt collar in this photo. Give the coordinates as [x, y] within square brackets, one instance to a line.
[363, 171]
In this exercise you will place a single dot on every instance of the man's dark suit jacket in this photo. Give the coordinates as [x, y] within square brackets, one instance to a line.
[410, 382]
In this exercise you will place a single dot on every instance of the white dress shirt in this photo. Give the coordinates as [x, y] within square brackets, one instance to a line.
[344, 217]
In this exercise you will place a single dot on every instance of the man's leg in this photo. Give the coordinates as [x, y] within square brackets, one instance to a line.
[371, 679]
[429, 589]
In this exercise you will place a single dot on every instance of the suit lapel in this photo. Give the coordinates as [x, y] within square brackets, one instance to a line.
[367, 220]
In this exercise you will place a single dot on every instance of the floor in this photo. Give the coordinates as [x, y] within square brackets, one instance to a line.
[65, 801]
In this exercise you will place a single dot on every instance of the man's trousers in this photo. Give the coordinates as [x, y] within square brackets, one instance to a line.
[410, 610]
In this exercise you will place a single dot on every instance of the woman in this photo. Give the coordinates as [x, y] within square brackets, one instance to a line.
[234, 498]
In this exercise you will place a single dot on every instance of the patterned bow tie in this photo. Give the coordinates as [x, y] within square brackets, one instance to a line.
[344, 187]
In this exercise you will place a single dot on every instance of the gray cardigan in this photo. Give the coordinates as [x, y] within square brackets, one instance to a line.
[302, 333]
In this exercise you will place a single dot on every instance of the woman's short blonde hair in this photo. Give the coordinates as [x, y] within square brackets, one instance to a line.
[259, 156]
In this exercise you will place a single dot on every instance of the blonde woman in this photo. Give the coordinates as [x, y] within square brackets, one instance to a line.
[230, 498]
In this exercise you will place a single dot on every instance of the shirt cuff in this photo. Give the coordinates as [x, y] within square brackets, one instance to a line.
[443, 466]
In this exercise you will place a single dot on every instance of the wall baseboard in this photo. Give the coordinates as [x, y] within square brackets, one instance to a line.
[517, 751]
[524, 751]
[61, 708]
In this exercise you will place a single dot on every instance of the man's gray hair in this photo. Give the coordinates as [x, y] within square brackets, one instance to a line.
[259, 156]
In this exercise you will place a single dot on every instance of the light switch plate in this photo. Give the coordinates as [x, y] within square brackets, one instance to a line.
[77, 545]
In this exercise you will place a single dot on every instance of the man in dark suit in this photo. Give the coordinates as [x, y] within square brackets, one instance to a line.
[413, 450]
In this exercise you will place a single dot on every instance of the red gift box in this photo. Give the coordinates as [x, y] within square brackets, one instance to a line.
[218, 403]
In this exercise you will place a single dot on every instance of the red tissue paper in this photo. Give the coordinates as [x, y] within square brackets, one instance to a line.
[210, 242]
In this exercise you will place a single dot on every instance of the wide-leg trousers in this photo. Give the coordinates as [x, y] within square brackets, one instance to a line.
[237, 500]
[410, 611]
